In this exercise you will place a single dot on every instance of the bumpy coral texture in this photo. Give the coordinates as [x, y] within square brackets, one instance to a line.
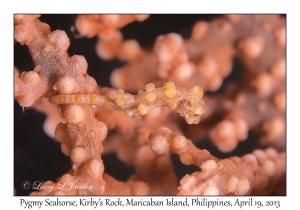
[169, 81]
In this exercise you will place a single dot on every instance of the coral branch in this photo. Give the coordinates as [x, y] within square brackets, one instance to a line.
[52, 62]
[243, 107]
[257, 173]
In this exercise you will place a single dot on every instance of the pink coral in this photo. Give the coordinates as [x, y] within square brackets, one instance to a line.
[154, 84]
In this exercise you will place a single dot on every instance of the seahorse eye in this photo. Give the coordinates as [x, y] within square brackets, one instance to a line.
[182, 101]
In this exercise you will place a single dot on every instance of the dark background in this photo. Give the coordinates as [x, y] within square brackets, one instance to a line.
[38, 157]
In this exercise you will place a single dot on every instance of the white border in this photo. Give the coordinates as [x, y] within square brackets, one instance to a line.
[156, 6]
